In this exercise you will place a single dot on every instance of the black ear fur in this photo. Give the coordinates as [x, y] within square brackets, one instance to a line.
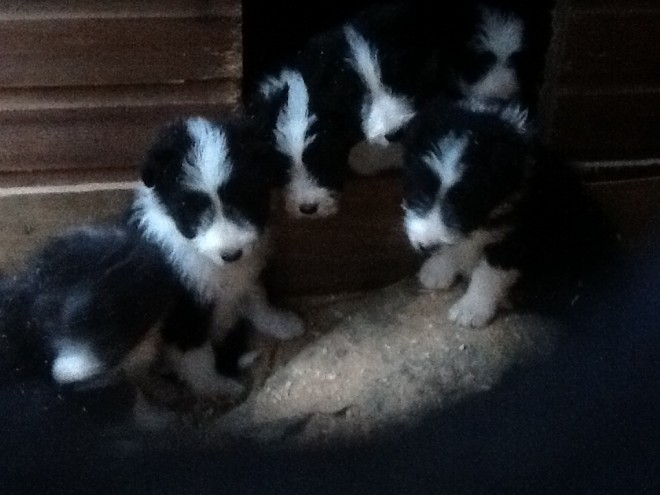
[166, 153]
[263, 112]
[265, 109]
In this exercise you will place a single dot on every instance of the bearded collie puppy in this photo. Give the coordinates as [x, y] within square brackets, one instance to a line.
[205, 204]
[344, 101]
[357, 83]
[81, 304]
[187, 264]
[483, 202]
[503, 56]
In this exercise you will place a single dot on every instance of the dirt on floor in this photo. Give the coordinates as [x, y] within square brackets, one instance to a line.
[368, 362]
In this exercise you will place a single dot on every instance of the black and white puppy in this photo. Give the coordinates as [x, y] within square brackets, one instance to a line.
[205, 203]
[187, 265]
[357, 83]
[484, 203]
[503, 56]
[81, 304]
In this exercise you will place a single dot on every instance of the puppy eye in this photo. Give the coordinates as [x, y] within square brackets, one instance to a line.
[195, 203]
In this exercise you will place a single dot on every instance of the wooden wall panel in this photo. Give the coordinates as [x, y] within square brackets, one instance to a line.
[53, 9]
[602, 94]
[607, 125]
[81, 52]
[614, 48]
[97, 127]
[84, 85]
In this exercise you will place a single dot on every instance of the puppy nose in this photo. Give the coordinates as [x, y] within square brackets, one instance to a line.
[230, 256]
[309, 208]
[428, 248]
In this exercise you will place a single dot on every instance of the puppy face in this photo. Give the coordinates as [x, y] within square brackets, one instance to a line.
[204, 191]
[314, 158]
[462, 167]
[491, 65]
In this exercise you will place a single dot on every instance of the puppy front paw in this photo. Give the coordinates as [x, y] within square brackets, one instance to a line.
[471, 312]
[437, 273]
[283, 325]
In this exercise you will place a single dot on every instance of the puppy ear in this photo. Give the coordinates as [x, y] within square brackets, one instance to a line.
[166, 153]
[266, 104]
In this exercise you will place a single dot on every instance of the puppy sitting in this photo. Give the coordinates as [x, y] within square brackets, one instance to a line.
[484, 203]
[205, 202]
[187, 264]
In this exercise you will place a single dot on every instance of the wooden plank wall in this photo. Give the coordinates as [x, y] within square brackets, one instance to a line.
[603, 92]
[85, 83]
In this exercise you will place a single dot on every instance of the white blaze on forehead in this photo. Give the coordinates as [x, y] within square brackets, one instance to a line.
[207, 165]
[294, 120]
[383, 112]
[445, 158]
[501, 33]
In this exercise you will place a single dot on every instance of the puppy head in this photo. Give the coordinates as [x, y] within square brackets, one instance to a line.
[204, 189]
[462, 168]
[314, 158]
[383, 112]
[490, 67]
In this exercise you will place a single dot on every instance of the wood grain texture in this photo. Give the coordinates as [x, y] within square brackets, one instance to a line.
[602, 92]
[82, 52]
[85, 85]
[613, 48]
[97, 127]
[72, 9]
[607, 125]
[615, 5]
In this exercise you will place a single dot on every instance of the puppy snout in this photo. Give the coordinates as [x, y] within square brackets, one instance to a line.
[231, 256]
[309, 208]
[429, 248]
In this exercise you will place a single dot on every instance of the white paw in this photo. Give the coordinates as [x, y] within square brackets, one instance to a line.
[471, 312]
[437, 273]
[282, 325]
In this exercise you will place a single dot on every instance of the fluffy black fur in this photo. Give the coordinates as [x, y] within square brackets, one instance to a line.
[481, 196]
[101, 288]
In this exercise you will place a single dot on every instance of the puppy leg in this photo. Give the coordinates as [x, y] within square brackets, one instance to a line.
[197, 369]
[486, 293]
[272, 321]
[441, 269]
